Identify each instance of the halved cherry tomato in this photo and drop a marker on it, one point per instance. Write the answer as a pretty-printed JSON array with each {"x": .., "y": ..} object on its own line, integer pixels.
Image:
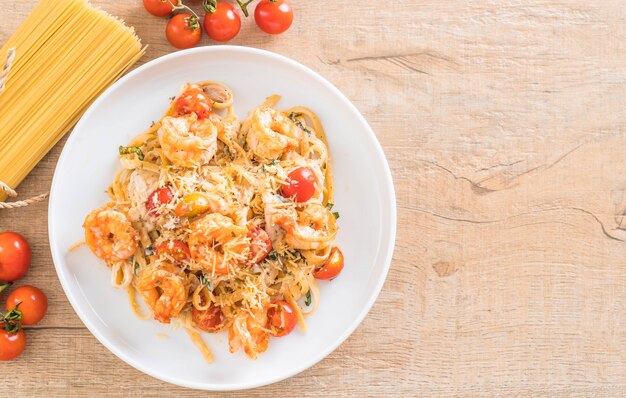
[
  {"x": 15, "y": 256},
  {"x": 32, "y": 302},
  {"x": 282, "y": 318},
  {"x": 159, "y": 8},
  {"x": 192, "y": 204},
  {"x": 209, "y": 320},
  {"x": 332, "y": 267},
  {"x": 301, "y": 185},
  {"x": 194, "y": 100},
  {"x": 223, "y": 24},
  {"x": 158, "y": 197},
  {"x": 177, "y": 249},
  {"x": 260, "y": 244},
  {"x": 11, "y": 344},
  {"x": 273, "y": 16},
  {"x": 183, "y": 31}
]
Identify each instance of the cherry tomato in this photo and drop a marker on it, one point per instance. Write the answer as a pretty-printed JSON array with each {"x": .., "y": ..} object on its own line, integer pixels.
[
  {"x": 282, "y": 318},
  {"x": 33, "y": 303},
  {"x": 158, "y": 197},
  {"x": 209, "y": 320},
  {"x": 194, "y": 100},
  {"x": 183, "y": 31},
  {"x": 159, "y": 8},
  {"x": 192, "y": 204},
  {"x": 223, "y": 24},
  {"x": 177, "y": 249},
  {"x": 332, "y": 267},
  {"x": 11, "y": 345},
  {"x": 273, "y": 17},
  {"x": 301, "y": 185},
  {"x": 260, "y": 244},
  {"x": 14, "y": 256}
]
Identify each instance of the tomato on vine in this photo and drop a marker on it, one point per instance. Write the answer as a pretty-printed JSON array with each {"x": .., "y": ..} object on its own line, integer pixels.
[
  {"x": 222, "y": 23},
  {"x": 273, "y": 16},
  {"x": 160, "y": 8},
  {"x": 183, "y": 31}
]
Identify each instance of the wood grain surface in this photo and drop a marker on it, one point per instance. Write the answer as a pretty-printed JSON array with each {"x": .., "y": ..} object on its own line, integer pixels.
[{"x": 504, "y": 126}]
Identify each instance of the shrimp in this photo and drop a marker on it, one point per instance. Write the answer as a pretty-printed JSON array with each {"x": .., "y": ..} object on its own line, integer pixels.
[
  {"x": 217, "y": 243},
  {"x": 110, "y": 234},
  {"x": 187, "y": 141},
  {"x": 271, "y": 133},
  {"x": 164, "y": 292},
  {"x": 310, "y": 228},
  {"x": 249, "y": 331}
]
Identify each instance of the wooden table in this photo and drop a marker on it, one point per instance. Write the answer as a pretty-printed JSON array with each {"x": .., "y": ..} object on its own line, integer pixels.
[{"x": 504, "y": 126}]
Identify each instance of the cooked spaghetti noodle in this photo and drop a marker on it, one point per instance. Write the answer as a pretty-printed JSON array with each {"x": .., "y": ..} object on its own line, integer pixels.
[{"x": 201, "y": 224}]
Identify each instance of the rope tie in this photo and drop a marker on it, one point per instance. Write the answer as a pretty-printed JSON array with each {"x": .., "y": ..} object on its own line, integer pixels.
[{"x": 4, "y": 76}]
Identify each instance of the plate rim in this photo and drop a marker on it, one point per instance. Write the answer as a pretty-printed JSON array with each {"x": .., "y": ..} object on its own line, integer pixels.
[{"x": 391, "y": 232}]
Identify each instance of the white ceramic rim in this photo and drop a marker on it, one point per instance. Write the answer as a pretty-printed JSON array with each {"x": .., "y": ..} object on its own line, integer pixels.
[{"x": 391, "y": 233}]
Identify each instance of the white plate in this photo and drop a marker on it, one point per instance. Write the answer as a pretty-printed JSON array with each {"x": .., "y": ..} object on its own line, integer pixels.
[{"x": 364, "y": 197}]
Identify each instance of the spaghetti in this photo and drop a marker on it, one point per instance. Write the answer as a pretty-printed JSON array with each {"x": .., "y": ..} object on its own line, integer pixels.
[
  {"x": 66, "y": 54},
  {"x": 200, "y": 223}
]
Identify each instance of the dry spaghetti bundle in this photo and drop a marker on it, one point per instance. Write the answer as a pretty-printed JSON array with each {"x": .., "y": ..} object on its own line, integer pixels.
[{"x": 66, "y": 54}]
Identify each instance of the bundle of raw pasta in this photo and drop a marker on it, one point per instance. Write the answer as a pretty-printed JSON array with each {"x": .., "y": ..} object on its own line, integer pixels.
[{"x": 66, "y": 54}]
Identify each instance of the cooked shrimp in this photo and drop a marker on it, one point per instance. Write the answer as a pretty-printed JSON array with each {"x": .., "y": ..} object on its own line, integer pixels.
[
  {"x": 271, "y": 133},
  {"x": 310, "y": 228},
  {"x": 164, "y": 292},
  {"x": 110, "y": 234},
  {"x": 249, "y": 331},
  {"x": 217, "y": 243},
  {"x": 187, "y": 141}
]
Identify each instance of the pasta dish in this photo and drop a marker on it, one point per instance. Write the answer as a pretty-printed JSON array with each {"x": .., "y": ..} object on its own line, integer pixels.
[{"x": 222, "y": 224}]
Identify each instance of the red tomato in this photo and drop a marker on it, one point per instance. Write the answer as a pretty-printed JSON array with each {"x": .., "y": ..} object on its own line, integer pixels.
[
  {"x": 194, "y": 100},
  {"x": 157, "y": 198},
  {"x": 177, "y": 249},
  {"x": 282, "y": 318},
  {"x": 11, "y": 344},
  {"x": 301, "y": 185},
  {"x": 209, "y": 320},
  {"x": 260, "y": 244},
  {"x": 183, "y": 31},
  {"x": 273, "y": 17},
  {"x": 14, "y": 256},
  {"x": 332, "y": 267},
  {"x": 223, "y": 24},
  {"x": 159, "y": 8},
  {"x": 33, "y": 303}
]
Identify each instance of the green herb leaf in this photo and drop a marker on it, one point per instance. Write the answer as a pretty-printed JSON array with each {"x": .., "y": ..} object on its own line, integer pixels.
[
  {"x": 136, "y": 268},
  {"x": 149, "y": 251},
  {"x": 336, "y": 214},
  {"x": 329, "y": 205},
  {"x": 308, "y": 298},
  {"x": 272, "y": 255},
  {"x": 127, "y": 150}
]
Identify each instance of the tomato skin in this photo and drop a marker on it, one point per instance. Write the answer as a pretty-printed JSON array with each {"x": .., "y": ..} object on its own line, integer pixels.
[
  {"x": 194, "y": 100},
  {"x": 332, "y": 267},
  {"x": 301, "y": 186},
  {"x": 282, "y": 318},
  {"x": 273, "y": 17},
  {"x": 192, "y": 205},
  {"x": 158, "y": 197},
  {"x": 15, "y": 255},
  {"x": 223, "y": 24},
  {"x": 210, "y": 320},
  {"x": 176, "y": 249},
  {"x": 159, "y": 8},
  {"x": 11, "y": 345},
  {"x": 33, "y": 303},
  {"x": 180, "y": 34},
  {"x": 260, "y": 244}
]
